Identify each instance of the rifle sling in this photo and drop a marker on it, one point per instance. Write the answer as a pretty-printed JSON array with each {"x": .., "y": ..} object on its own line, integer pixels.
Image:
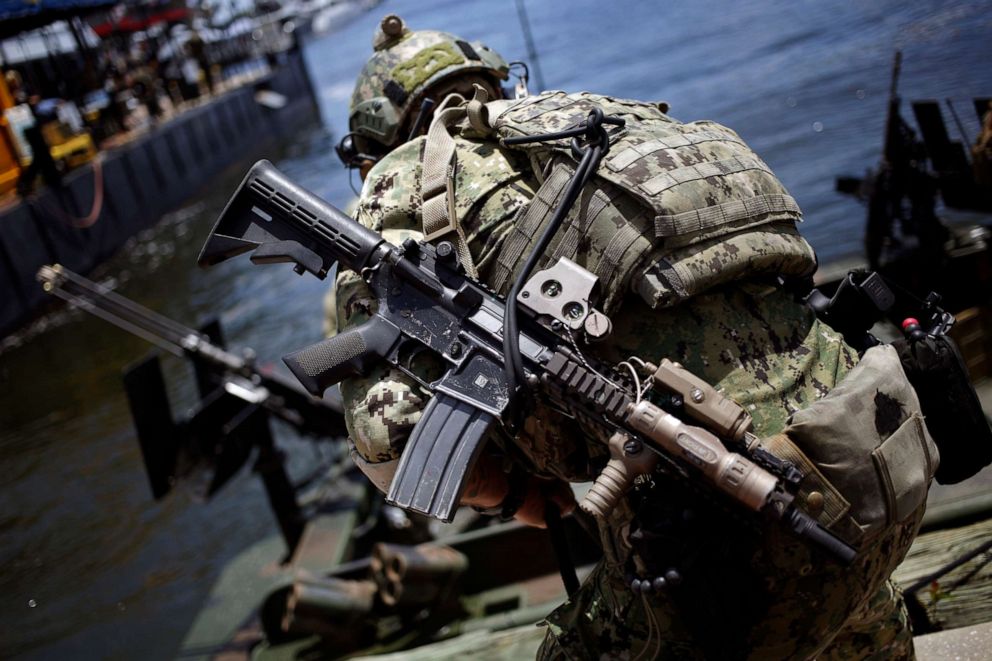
[{"x": 437, "y": 186}]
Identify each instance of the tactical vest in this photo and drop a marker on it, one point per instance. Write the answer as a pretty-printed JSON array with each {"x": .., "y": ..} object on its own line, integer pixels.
[{"x": 673, "y": 210}]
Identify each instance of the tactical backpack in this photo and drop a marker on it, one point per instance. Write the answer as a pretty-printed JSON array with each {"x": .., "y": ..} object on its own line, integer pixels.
[{"x": 673, "y": 210}]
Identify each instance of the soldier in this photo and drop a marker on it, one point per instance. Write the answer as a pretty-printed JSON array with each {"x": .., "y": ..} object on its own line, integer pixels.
[
  {"x": 691, "y": 236},
  {"x": 408, "y": 75}
]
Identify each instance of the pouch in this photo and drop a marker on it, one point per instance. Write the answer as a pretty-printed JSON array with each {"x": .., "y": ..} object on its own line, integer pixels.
[
  {"x": 868, "y": 456},
  {"x": 953, "y": 412}
]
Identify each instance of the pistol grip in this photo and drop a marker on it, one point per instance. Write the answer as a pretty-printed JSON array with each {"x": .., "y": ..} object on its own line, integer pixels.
[{"x": 349, "y": 353}]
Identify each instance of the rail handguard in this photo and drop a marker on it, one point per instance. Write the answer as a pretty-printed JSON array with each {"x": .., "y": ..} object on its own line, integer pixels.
[{"x": 425, "y": 301}]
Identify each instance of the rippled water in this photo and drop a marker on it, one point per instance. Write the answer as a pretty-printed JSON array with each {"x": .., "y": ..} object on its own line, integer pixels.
[{"x": 93, "y": 568}]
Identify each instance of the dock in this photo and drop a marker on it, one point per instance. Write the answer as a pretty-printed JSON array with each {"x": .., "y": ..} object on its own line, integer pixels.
[{"x": 142, "y": 180}]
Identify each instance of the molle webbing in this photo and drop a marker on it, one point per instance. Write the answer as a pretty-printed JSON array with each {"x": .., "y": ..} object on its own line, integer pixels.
[
  {"x": 630, "y": 155},
  {"x": 527, "y": 227},
  {"x": 595, "y": 206},
  {"x": 662, "y": 182},
  {"x": 670, "y": 200},
  {"x": 699, "y": 220},
  {"x": 592, "y": 203},
  {"x": 619, "y": 245}
]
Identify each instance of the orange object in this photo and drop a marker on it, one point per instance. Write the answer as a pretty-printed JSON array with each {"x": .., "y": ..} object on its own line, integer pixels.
[{"x": 10, "y": 168}]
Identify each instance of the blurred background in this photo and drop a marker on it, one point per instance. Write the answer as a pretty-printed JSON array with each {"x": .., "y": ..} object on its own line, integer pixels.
[{"x": 92, "y": 566}]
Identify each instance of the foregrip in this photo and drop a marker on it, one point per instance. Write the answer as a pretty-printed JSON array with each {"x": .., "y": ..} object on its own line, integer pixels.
[
  {"x": 628, "y": 459},
  {"x": 352, "y": 352}
]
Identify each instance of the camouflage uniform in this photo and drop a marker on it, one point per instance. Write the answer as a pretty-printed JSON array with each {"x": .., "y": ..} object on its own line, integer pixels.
[{"x": 749, "y": 590}]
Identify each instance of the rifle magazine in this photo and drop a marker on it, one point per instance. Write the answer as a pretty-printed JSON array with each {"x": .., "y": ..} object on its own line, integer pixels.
[{"x": 438, "y": 457}]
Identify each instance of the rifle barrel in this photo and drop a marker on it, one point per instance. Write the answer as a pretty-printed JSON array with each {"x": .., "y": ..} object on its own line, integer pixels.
[{"x": 101, "y": 301}]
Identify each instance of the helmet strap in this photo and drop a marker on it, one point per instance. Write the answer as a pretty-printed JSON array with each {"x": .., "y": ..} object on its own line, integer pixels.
[{"x": 425, "y": 109}]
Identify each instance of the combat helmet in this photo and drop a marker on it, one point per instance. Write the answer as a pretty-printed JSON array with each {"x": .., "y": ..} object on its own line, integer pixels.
[{"x": 390, "y": 90}]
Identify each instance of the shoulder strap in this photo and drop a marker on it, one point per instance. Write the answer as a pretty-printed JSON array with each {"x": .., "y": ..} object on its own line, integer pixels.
[
  {"x": 528, "y": 226},
  {"x": 437, "y": 185}
]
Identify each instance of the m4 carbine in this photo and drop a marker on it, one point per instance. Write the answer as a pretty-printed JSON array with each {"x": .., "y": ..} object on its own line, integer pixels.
[{"x": 425, "y": 300}]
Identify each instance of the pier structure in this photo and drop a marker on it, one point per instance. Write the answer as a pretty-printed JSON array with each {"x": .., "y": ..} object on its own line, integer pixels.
[{"x": 129, "y": 188}]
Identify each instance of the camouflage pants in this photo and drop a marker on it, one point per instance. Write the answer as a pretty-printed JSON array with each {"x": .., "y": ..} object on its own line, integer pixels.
[{"x": 781, "y": 602}]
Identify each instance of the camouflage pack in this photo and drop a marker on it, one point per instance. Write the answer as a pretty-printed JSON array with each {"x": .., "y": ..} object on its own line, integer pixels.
[
  {"x": 674, "y": 209},
  {"x": 866, "y": 453}
]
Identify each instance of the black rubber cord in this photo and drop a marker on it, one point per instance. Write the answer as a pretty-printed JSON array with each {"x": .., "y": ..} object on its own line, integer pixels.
[{"x": 589, "y": 156}]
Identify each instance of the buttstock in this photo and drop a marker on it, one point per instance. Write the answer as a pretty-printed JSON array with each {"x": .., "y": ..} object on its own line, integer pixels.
[{"x": 280, "y": 221}]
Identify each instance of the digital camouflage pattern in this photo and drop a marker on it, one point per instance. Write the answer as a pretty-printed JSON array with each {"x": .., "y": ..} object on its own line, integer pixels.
[
  {"x": 748, "y": 589},
  {"x": 675, "y": 209},
  {"x": 406, "y": 63},
  {"x": 385, "y": 405}
]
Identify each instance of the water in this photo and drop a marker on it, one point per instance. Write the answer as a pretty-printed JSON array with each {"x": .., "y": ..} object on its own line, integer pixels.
[{"x": 92, "y": 568}]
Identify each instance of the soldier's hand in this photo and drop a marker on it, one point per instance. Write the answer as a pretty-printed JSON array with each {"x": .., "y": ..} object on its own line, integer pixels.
[{"x": 539, "y": 492}]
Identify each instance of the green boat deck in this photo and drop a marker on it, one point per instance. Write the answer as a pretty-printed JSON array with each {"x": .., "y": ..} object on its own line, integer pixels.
[{"x": 504, "y": 625}]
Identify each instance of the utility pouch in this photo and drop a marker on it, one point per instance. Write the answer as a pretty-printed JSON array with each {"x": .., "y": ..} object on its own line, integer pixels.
[
  {"x": 867, "y": 455},
  {"x": 953, "y": 412}
]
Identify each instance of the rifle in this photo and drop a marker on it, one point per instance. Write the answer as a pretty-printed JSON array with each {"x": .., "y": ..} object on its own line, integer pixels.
[
  {"x": 425, "y": 301},
  {"x": 237, "y": 400}
]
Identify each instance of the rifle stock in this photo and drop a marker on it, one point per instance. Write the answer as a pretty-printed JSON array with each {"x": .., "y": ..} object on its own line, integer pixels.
[{"x": 310, "y": 233}]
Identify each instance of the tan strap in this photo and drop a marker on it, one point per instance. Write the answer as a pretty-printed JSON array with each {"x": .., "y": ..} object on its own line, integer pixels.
[
  {"x": 818, "y": 496},
  {"x": 478, "y": 112},
  {"x": 437, "y": 186}
]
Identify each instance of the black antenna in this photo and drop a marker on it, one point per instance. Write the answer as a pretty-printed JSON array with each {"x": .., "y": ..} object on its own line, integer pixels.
[
  {"x": 531, "y": 50},
  {"x": 425, "y": 108}
]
